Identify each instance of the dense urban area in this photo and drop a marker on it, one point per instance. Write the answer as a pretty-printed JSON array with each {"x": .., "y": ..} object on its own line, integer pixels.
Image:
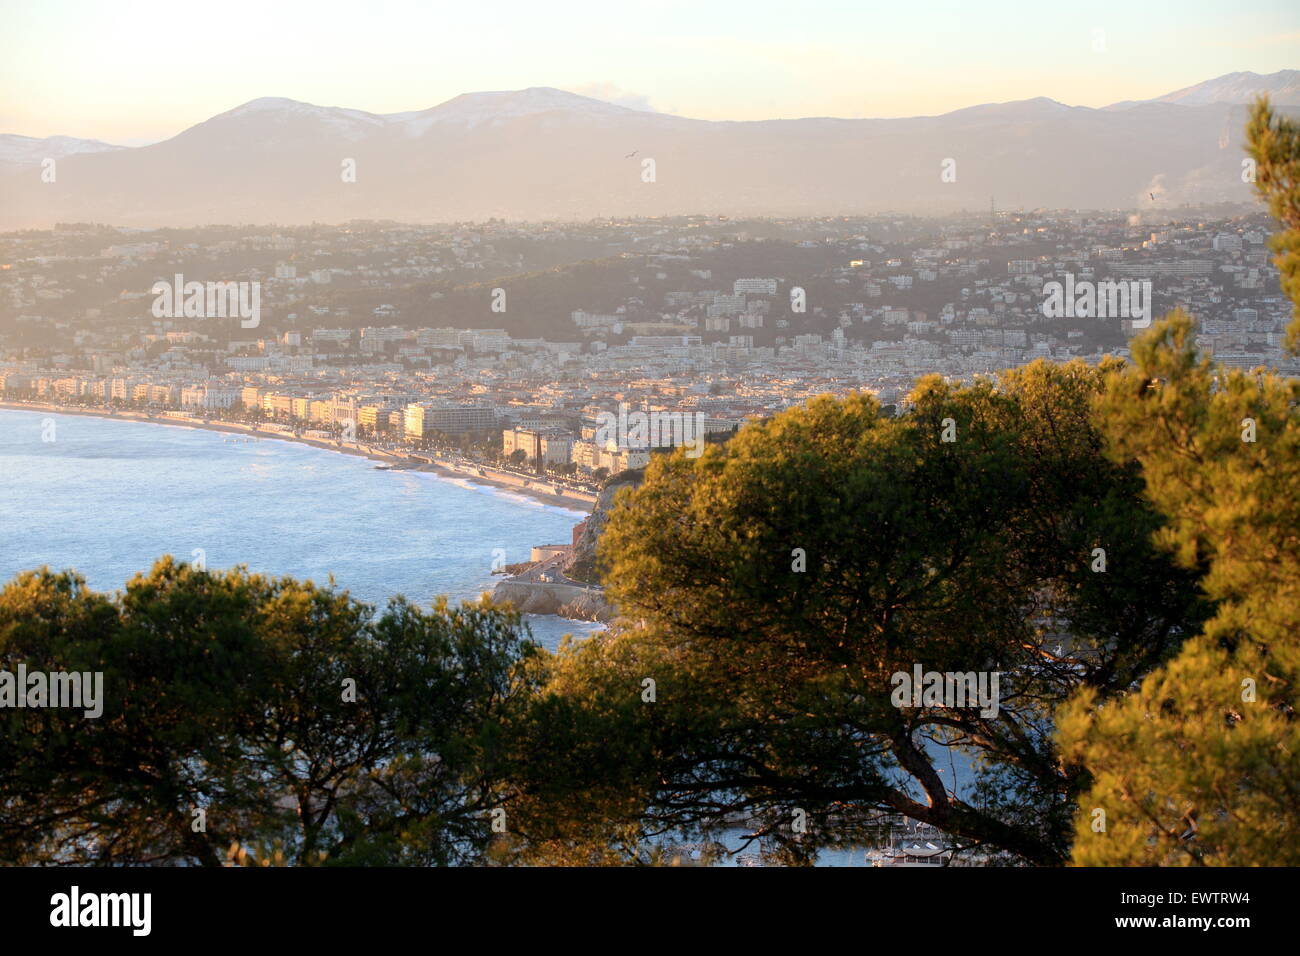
[{"x": 507, "y": 341}]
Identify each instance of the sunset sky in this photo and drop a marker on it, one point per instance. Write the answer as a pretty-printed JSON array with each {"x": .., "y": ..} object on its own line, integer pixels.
[{"x": 138, "y": 71}]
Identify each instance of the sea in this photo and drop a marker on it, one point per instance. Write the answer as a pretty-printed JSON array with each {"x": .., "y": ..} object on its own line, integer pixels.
[{"x": 108, "y": 497}]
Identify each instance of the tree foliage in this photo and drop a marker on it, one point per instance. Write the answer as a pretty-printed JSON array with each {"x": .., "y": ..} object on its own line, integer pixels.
[
  {"x": 771, "y": 587},
  {"x": 302, "y": 724},
  {"x": 1273, "y": 142},
  {"x": 1200, "y": 764}
]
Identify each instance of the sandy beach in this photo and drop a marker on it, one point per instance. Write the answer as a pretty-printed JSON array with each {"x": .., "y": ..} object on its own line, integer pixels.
[{"x": 405, "y": 461}]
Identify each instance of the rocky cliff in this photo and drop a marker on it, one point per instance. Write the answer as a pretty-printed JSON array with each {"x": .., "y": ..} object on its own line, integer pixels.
[
  {"x": 535, "y": 597},
  {"x": 582, "y": 564}
]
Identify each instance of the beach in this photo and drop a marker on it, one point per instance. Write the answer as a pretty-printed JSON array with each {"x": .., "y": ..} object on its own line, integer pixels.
[{"x": 537, "y": 489}]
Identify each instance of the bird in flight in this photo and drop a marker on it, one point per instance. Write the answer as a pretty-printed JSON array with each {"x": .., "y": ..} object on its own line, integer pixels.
[{"x": 631, "y": 154}]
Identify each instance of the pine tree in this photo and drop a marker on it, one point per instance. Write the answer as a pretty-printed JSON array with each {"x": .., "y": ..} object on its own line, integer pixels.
[
  {"x": 1200, "y": 764},
  {"x": 1274, "y": 146},
  {"x": 773, "y": 587}
]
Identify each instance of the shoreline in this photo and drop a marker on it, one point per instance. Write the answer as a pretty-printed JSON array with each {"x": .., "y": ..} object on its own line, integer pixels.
[{"x": 408, "y": 461}]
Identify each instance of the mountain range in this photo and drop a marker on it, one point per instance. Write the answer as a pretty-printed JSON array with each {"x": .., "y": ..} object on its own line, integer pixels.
[{"x": 543, "y": 153}]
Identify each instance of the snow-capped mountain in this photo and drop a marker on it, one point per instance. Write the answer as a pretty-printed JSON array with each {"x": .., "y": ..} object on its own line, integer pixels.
[
  {"x": 276, "y": 110},
  {"x": 29, "y": 151},
  {"x": 543, "y": 153},
  {"x": 1236, "y": 89},
  {"x": 1283, "y": 88},
  {"x": 470, "y": 110}
]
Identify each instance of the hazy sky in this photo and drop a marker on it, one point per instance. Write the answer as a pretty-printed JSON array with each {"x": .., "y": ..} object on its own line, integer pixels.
[{"x": 132, "y": 71}]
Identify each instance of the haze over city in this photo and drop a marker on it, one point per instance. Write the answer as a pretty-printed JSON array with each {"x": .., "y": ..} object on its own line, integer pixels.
[{"x": 538, "y": 438}]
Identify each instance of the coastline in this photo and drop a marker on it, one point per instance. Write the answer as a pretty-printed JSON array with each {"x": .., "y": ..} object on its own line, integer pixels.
[{"x": 408, "y": 462}]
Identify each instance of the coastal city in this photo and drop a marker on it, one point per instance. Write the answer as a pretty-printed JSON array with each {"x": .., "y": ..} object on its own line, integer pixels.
[
  {"x": 504, "y": 344},
  {"x": 538, "y": 439}
]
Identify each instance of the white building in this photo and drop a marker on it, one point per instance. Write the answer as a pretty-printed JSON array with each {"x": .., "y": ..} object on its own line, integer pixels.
[
  {"x": 754, "y": 287},
  {"x": 210, "y": 396}
]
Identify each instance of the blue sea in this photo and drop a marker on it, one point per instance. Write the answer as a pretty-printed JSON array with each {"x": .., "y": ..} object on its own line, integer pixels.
[{"x": 108, "y": 497}]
